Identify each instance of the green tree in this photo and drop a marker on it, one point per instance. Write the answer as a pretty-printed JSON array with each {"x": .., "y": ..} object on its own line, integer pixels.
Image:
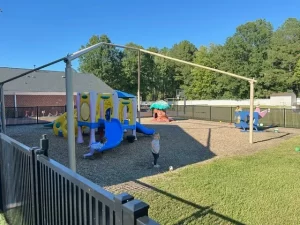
[
  {"x": 184, "y": 50},
  {"x": 130, "y": 69},
  {"x": 149, "y": 73},
  {"x": 254, "y": 51},
  {"x": 130, "y": 72},
  {"x": 204, "y": 82},
  {"x": 104, "y": 62},
  {"x": 166, "y": 84},
  {"x": 244, "y": 54},
  {"x": 283, "y": 56},
  {"x": 296, "y": 78}
]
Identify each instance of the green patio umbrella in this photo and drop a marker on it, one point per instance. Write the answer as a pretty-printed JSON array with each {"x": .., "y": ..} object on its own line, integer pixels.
[{"x": 162, "y": 105}]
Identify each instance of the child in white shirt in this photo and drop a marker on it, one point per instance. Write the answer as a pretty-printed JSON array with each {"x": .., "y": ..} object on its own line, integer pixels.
[
  {"x": 95, "y": 146},
  {"x": 155, "y": 147}
]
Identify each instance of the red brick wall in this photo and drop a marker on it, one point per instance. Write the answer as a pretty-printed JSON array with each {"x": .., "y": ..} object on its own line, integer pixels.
[{"x": 36, "y": 100}]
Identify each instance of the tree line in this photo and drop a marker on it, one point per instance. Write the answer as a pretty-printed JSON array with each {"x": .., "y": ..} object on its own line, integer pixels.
[{"x": 256, "y": 50}]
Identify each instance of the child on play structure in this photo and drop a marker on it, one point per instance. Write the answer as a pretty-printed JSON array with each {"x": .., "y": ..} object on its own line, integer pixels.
[
  {"x": 155, "y": 147},
  {"x": 237, "y": 118},
  {"x": 95, "y": 146}
]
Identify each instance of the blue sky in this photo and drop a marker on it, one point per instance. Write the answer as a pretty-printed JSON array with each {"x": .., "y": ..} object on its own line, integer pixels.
[{"x": 35, "y": 32}]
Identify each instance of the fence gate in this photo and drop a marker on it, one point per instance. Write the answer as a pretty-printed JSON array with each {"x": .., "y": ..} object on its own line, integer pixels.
[{"x": 17, "y": 187}]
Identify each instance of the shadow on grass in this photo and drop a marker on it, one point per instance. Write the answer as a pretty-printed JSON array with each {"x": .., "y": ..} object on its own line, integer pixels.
[{"x": 202, "y": 210}]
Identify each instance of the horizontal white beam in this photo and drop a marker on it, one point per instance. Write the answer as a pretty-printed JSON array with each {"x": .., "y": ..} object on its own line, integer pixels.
[
  {"x": 198, "y": 65},
  {"x": 86, "y": 50},
  {"x": 83, "y": 51}
]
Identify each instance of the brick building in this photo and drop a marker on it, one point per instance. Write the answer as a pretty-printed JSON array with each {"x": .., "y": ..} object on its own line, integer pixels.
[{"x": 45, "y": 88}]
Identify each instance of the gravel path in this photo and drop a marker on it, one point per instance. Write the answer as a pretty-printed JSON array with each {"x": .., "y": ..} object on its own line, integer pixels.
[{"x": 182, "y": 142}]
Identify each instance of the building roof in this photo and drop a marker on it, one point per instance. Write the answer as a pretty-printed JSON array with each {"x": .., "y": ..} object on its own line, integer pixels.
[
  {"x": 49, "y": 81},
  {"x": 283, "y": 94}
]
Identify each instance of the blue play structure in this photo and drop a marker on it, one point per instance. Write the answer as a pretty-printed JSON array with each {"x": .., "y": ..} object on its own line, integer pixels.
[
  {"x": 113, "y": 133},
  {"x": 144, "y": 130},
  {"x": 112, "y": 114},
  {"x": 243, "y": 120}
]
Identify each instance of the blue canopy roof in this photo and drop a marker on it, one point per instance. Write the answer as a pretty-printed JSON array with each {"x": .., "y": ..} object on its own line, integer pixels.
[
  {"x": 122, "y": 94},
  {"x": 163, "y": 105}
]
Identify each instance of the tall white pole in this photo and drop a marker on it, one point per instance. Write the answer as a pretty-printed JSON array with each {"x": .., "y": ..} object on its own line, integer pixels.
[
  {"x": 70, "y": 115},
  {"x": 3, "y": 119},
  {"x": 139, "y": 87},
  {"x": 251, "y": 112},
  {"x": 15, "y": 101},
  {"x": 15, "y": 104}
]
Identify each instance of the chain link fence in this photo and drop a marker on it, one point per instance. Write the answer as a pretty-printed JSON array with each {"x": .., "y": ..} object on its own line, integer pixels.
[{"x": 281, "y": 117}]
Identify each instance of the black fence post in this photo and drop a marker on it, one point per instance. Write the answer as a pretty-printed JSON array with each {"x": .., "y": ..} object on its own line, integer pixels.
[
  {"x": 146, "y": 221},
  {"x": 44, "y": 144},
  {"x": 193, "y": 113},
  {"x": 184, "y": 105},
  {"x": 35, "y": 186},
  {"x": 133, "y": 210},
  {"x": 37, "y": 191},
  {"x": 231, "y": 114},
  {"x": 119, "y": 201},
  {"x": 15, "y": 112},
  {"x": 37, "y": 114},
  {"x": 284, "y": 117},
  {"x": 210, "y": 113}
]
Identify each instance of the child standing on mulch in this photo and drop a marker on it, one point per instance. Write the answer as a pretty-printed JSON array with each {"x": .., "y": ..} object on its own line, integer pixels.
[
  {"x": 155, "y": 147},
  {"x": 95, "y": 146}
]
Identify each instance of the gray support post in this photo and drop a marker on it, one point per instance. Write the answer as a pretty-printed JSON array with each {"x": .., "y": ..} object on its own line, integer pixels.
[
  {"x": 139, "y": 87},
  {"x": 3, "y": 119},
  {"x": 70, "y": 115}
]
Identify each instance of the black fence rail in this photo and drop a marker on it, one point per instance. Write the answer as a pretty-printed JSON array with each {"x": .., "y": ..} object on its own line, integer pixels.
[
  {"x": 32, "y": 115},
  {"x": 36, "y": 190},
  {"x": 281, "y": 117}
]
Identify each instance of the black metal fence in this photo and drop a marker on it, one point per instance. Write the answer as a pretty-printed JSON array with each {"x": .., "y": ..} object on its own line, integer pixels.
[
  {"x": 36, "y": 190},
  {"x": 281, "y": 117},
  {"x": 32, "y": 115}
]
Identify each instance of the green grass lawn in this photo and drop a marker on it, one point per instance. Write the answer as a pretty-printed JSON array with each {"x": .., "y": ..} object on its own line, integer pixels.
[
  {"x": 2, "y": 219},
  {"x": 263, "y": 188}
]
